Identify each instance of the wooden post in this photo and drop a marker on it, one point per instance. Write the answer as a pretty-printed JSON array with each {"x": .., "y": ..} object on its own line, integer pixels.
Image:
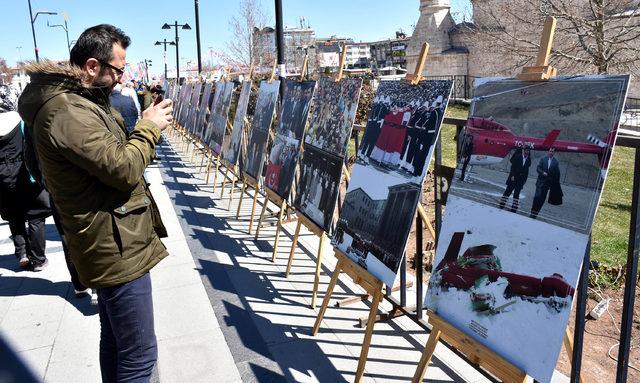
[
  {"x": 264, "y": 208},
  {"x": 305, "y": 65},
  {"x": 327, "y": 297},
  {"x": 233, "y": 186},
  {"x": 316, "y": 281},
  {"x": 244, "y": 187},
  {"x": 542, "y": 71},
  {"x": 273, "y": 72},
  {"x": 364, "y": 352},
  {"x": 343, "y": 59},
  {"x": 422, "y": 59},
  {"x": 283, "y": 208},
  {"x": 215, "y": 174},
  {"x": 209, "y": 158},
  {"x": 253, "y": 208},
  {"x": 293, "y": 248},
  {"x": 224, "y": 182}
]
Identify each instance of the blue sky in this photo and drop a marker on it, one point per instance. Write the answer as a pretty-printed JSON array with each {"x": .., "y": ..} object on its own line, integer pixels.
[{"x": 362, "y": 20}]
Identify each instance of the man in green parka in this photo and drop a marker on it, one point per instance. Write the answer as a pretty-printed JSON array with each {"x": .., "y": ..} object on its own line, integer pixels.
[{"x": 94, "y": 172}]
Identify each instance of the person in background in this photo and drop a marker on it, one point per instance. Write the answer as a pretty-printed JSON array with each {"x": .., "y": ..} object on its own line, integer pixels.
[
  {"x": 94, "y": 172},
  {"x": 125, "y": 106},
  {"x": 157, "y": 94},
  {"x": 22, "y": 201},
  {"x": 145, "y": 98},
  {"x": 129, "y": 90}
]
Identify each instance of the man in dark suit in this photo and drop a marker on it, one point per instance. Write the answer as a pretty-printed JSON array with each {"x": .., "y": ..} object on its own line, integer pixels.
[
  {"x": 374, "y": 126},
  {"x": 520, "y": 163},
  {"x": 548, "y": 177},
  {"x": 467, "y": 151}
]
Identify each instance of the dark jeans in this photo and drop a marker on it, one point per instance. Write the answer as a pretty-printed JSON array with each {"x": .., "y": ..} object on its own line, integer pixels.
[
  {"x": 28, "y": 238},
  {"x": 128, "y": 349}
]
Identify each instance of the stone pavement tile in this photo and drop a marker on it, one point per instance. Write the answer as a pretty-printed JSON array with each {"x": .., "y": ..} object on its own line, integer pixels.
[
  {"x": 178, "y": 275},
  {"x": 312, "y": 361},
  {"x": 254, "y": 371},
  {"x": 37, "y": 360},
  {"x": 32, "y": 326},
  {"x": 193, "y": 359},
  {"x": 182, "y": 311}
]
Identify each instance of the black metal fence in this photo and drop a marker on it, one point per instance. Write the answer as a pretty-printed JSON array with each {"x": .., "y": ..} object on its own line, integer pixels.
[
  {"x": 462, "y": 85},
  {"x": 631, "y": 117}
]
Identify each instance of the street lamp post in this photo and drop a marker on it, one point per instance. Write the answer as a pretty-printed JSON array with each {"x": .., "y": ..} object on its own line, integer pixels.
[
  {"x": 147, "y": 64},
  {"x": 165, "y": 42},
  {"x": 66, "y": 30},
  {"x": 33, "y": 30},
  {"x": 198, "y": 37},
  {"x": 177, "y": 40}
]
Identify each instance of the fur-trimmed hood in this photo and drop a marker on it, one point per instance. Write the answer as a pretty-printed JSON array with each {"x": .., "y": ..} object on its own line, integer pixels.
[
  {"x": 52, "y": 68},
  {"x": 50, "y": 79}
]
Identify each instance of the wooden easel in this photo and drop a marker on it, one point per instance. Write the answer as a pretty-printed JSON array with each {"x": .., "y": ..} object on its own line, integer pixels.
[
  {"x": 360, "y": 276},
  {"x": 474, "y": 351},
  {"x": 309, "y": 224},
  {"x": 273, "y": 196},
  {"x": 249, "y": 180},
  {"x": 371, "y": 285}
]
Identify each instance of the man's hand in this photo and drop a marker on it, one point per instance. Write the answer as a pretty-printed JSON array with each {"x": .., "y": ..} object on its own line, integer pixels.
[{"x": 160, "y": 114}]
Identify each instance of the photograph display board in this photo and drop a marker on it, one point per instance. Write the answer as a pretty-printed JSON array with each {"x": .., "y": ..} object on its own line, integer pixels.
[
  {"x": 262, "y": 119},
  {"x": 232, "y": 152},
  {"x": 193, "y": 110},
  {"x": 534, "y": 157},
  {"x": 386, "y": 180},
  {"x": 185, "y": 98},
  {"x": 219, "y": 112},
  {"x": 326, "y": 143},
  {"x": 201, "y": 118},
  {"x": 283, "y": 157}
]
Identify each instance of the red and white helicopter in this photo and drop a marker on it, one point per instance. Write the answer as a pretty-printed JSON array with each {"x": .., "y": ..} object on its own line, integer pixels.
[{"x": 493, "y": 141}]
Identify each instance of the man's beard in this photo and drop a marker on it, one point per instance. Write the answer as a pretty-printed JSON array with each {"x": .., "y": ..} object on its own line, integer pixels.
[{"x": 104, "y": 80}]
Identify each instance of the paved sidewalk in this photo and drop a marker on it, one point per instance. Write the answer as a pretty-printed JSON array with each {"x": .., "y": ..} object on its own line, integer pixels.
[{"x": 57, "y": 334}]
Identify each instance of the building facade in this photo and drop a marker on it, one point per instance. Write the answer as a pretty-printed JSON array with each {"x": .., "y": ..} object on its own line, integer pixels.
[
  {"x": 456, "y": 49},
  {"x": 389, "y": 53}
]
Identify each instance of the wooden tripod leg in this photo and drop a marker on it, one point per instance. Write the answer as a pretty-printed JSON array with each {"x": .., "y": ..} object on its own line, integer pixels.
[
  {"x": 264, "y": 208},
  {"x": 244, "y": 187},
  {"x": 427, "y": 353},
  {"x": 327, "y": 297},
  {"x": 364, "y": 352},
  {"x": 233, "y": 187},
  {"x": 202, "y": 161},
  {"x": 568, "y": 347},
  {"x": 283, "y": 208},
  {"x": 206, "y": 181},
  {"x": 215, "y": 174},
  {"x": 316, "y": 281},
  {"x": 253, "y": 208},
  {"x": 293, "y": 248},
  {"x": 224, "y": 182}
]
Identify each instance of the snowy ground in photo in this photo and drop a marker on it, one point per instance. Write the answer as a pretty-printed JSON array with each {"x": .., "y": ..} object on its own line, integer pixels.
[
  {"x": 528, "y": 334},
  {"x": 374, "y": 265}
]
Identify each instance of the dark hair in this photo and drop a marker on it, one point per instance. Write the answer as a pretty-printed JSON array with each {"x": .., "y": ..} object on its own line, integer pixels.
[{"x": 97, "y": 42}]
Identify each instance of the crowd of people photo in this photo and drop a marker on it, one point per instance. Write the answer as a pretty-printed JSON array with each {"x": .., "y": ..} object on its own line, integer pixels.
[
  {"x": 400, "y": 129},
  {"x": 335, "y": 110}
]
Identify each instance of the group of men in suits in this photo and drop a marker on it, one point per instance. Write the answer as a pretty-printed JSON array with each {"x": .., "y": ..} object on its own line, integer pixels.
[
  {"x": 419, "y": 137},
  {"x": 547, "y": 183}
]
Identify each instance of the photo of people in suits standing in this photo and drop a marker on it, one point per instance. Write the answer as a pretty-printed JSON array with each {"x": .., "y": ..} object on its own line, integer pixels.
[
  {"x": 232, "y": 152},
  {"x": 283, "y": 158},
  {"x": 326, "y": 143},
  {"x": 260, "y": 126},
  {"x": 219, "y": 114},
  {"x": 543, "y": 157}
]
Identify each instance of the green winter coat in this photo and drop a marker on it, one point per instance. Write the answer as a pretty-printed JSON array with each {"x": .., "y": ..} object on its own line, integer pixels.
[{"x": 94, "y": 173}]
